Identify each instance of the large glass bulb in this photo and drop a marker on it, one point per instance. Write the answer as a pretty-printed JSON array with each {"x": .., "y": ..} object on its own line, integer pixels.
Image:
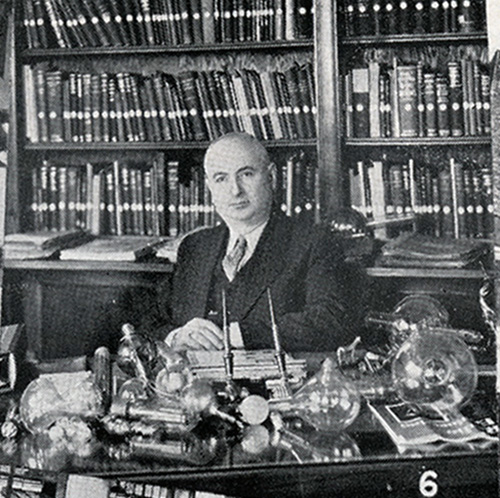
[
  {"x": 328, "y": 400},
  {"x": 434, "y": 369}
]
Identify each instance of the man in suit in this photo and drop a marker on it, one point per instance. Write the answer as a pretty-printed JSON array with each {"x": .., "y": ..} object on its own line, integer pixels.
[{"x": 257, "y": 248}]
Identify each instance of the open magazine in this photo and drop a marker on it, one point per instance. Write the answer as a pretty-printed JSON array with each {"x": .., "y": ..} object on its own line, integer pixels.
[{"x": 409, "y": 428}]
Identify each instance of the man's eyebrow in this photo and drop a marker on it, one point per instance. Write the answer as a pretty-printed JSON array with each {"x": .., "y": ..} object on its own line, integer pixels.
[{"x": 243, "y": 168}]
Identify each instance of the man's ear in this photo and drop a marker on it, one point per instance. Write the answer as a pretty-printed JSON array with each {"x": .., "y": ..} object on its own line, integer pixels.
[{"x": 274, "y": 176}]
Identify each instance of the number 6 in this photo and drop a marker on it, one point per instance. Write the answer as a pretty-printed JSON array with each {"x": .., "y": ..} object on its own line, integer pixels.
[{"x": 427, "y": 484}]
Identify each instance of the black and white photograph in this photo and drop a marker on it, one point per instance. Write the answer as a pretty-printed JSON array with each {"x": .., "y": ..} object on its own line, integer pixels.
[{"x": 249, "y": 248}]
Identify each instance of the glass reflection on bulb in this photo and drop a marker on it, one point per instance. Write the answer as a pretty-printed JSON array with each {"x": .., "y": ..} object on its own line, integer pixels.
[
  {"x": 328, "y": 401},
  {"x": 434, "y": 369}
]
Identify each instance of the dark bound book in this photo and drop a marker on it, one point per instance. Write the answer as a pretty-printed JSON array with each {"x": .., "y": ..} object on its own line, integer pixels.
[
  {"x": 405, "y": 13},
  {"x": 187, "y": 81},
  {"x": 455, "y": 99},
  {"x": 419, "y": 17},
  {"x": 41, "y": 105},
  {"x": 407, "y": 95},
  {"x": 430, "y": 104},
  {"x": 53, "y": 81},
  {"x": 465, "y": 16},
  {"x": 363, "y": 18},
  {"x": 435, "y": 16},
  {"x": 389, "y": 20},
  {"x": 443, "y": 104}
]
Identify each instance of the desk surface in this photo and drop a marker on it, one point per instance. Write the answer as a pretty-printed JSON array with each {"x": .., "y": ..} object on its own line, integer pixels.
[{"x": 360, "y": 462}]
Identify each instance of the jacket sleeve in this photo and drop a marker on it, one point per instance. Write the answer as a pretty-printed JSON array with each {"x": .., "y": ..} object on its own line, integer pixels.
[{"x": 327, "y": 312}]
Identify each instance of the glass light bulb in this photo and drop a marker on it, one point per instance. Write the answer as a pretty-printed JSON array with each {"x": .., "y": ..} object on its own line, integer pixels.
[
  {"x": 434, "y": 369},
  {"x": 328, "y": 401}
]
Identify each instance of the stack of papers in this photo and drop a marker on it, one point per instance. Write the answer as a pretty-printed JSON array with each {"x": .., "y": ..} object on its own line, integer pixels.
[
  {"x": 42, "y": 245},
  {"x": 252, "y": 365},
  {"x": 123, "y": 248},
  {"x": 423, "y": 251}
]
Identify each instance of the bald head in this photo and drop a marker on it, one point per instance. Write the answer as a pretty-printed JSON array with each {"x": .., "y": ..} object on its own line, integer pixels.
[
  {"x": 230, "y": 146},
  {"x": 240, "y": 177}
]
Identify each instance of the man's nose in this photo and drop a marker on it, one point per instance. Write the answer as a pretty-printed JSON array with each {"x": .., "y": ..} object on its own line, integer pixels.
[{"x": 236, "y": 188}]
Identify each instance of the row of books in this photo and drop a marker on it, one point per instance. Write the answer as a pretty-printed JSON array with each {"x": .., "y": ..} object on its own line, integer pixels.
[
  {"x": 455, "y": 200},
  {"x": 128, "y": 107},
  {"x": 414, "y": 100},
  {"x": 101, "y": 23},
  {"x": 147, "y": 198},
  {"x": 387, "y": 17},
  {"x": 118, "y": 198}
]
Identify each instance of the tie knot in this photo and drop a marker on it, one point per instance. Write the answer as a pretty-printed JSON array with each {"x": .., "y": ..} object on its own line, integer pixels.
[{"x": 232, "y": 261}]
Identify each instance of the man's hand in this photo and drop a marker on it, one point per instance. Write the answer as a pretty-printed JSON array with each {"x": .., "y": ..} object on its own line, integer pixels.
[{"x": 198, "y": 333}]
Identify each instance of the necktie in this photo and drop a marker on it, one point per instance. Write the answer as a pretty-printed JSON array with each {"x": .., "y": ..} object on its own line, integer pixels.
[{"x": 233, "y": 258}]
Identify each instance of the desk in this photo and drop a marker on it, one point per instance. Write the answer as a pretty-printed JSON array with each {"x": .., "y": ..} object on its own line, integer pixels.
[{"x": 378, "y": 471}]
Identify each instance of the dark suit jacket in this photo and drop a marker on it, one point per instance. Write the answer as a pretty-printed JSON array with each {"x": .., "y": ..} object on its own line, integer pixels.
[{"x": 312, "y": 289}]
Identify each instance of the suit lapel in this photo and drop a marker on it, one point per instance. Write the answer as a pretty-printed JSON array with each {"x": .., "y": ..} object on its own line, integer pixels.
[
  {"x": 203, "y": 269},
  {"x": 264, "y": 266}
]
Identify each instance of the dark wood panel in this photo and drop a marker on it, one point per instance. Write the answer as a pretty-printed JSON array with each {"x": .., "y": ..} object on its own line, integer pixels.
[{"x": 69, "y": 313}]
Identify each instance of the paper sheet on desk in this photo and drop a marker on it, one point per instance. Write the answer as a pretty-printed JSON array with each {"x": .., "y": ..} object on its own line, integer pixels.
[{"x": 258, "y": 364}]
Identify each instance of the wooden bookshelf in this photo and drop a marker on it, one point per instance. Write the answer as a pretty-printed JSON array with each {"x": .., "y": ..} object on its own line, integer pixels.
[
  {"x": 163, "y": 145},
  {"x": 30, "y": 55},
  {"x": 416, "y": 39}
]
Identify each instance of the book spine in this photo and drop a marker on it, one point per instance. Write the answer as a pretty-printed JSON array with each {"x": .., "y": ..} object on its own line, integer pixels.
[
  {"x": 408, "y": 103},
  {"x": 430, "y": 104},
  {"x": 442, "y": 103},
  {"x": 159, "y": 169},
  {"x": 389, "y": 24},
  {"x": 456, "y": 99},
  {"x": 173, "y": 197},
  {"x": 419, "y": 17},
  {"x": 29, "y": 22},
  {"x": 62, "y": 180},
  {"x": 87, "y": 107},
  {"x": 435, "y": 17},
  {"x": 41, "y": 105},
  {"x": 104, "y": 107},
  {"x": 95, "y": 108},
  {"x": 486, "y": 107},
  {"x": 360, "y": 101},
  {"x": 374, "y": 99},
  {"x": 404, "y": 17},
  {"x": 53, "y": 80},
  {"x": 489, "y": 208},
  {"x": 187, "y": 83},
  {"x": 478, "y": 201},
  {"x": 363, "y": 17},
  {"x": 41, "y": 23},
  {"x": 477, "y": 97},
  {"x": 137, "y": 106},
  {"x": 80, "y": 133},
  {"x": 465, "y": 16}
]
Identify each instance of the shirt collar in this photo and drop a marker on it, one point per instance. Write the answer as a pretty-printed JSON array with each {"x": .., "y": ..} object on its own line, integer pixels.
[{"x": 252, "y": 237}]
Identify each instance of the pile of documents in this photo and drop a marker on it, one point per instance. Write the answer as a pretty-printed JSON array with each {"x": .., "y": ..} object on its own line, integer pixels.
[
  {"x": 42, "y": 245},
  {"x": 416, "y": 250}
]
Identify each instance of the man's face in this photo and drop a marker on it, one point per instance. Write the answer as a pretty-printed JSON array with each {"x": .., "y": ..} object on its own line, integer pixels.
[{"x": 240, "y": 182}]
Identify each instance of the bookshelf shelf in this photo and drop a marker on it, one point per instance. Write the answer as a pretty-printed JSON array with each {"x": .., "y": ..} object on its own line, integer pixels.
[
  {"x": 98, "y": 266},
  {"x": 383, "y": 272},
  {"x": 155, "y": 50},
  {"x": 421, "y": 141},
  {"x": 128, "y": 146},
  {"x": 413, "y": 39}
]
